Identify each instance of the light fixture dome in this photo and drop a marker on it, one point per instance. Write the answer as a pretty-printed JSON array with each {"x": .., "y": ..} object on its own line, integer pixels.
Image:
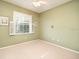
[{"x": 38, "y": 3}]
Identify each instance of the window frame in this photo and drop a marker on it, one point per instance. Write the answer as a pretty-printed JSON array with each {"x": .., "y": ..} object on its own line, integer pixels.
[{"x": 13, "y": 24}]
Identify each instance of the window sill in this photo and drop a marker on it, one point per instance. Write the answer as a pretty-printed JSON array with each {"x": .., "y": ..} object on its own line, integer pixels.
[{"x": 20, "y": 33}]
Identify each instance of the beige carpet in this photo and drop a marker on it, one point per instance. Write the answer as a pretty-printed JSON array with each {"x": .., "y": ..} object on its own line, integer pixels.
[{"x": 36, "y": 49}]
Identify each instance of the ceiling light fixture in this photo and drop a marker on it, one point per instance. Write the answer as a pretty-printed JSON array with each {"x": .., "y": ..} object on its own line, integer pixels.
[{"x": 38, "y": 3}]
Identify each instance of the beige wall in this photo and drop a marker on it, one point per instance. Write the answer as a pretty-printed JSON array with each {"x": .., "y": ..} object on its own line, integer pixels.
[
  {"x": 65, "y": 21},
  {"x": 7, "y": 9}
]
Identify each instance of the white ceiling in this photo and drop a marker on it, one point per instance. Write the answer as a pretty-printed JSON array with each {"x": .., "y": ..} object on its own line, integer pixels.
[{"x": 28, "y": 4}]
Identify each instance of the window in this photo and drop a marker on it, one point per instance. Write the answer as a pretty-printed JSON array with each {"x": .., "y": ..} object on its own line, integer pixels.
[{"x": 21, "y": 24}]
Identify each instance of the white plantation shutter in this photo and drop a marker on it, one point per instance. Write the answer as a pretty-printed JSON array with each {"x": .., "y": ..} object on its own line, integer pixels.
[{"x": 22, "y": 23}]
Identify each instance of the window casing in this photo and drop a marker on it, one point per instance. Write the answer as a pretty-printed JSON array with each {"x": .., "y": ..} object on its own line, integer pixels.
[{"x": 21, "y": 24}]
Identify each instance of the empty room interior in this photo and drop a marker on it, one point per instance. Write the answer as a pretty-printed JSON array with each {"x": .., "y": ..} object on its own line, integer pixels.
[{"x": 39, "y": 29}]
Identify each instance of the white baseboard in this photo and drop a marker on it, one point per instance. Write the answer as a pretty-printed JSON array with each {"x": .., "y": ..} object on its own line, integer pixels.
[
  {"x": 45, "y": 42},
  {"x": 29, "y": 41},
  {"x": 71, "y": 50}
]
